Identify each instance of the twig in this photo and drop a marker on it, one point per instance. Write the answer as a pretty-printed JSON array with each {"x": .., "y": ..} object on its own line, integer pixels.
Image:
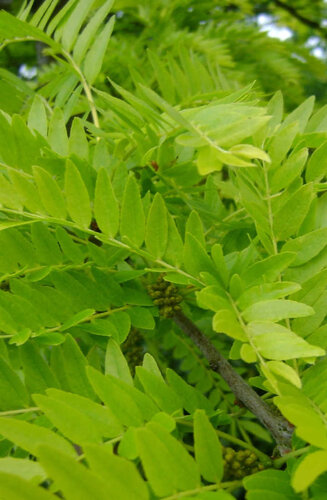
[
  {"x": 304, "y": 20},
  {"x": 278, "y": 426}
]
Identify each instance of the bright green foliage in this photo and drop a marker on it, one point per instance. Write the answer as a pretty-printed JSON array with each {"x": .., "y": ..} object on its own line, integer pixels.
[
  {"x": 207, "y": 448},
  {"x": 173, "y": 187}
]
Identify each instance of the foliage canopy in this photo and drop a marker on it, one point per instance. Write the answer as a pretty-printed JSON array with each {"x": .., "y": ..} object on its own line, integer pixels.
[{"x": 148, "y": 187}]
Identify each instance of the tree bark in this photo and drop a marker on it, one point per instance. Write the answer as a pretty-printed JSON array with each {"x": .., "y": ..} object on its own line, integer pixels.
[{"x": 278, "y": 426}]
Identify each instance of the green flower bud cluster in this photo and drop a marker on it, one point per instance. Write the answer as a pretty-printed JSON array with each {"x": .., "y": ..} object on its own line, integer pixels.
[
  {"x": 133, "y": 349},
  {"x": 165, "y": 295},
  {"x": 238, "y": 464}
]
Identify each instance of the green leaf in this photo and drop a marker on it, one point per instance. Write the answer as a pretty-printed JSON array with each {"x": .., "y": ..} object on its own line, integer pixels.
[
  {"x": 309, "y": 469},
  {"x": 71, "y": 422},
  {"x": 307, "y": 246},
  {"x": 12, "y": 390},
  {"x": 37, "y": 374},
  {"x": 77, "y": 197},
  {"x": 225, "y": 321},
  {"x": 213, "y": 298},
  {"x": 250, "y": 152},
  {"x": 191, "y": 398},
  {"x": 11, "y": 27},
  {"x": 21, "y": 337},
  {"x": 270, "y": 268},
  {"x": 156, "y": 461},
  {"x": 285, "y": 371},
  {"x": 276, "y": 310},
  {"x": 266, "y": 291},
  {"x": 116, "y": 364},
  {"x": 94, "y": 58},
  {"x": 159, "y": 391},
  {"x": 194, "y": 226},
  {"x": 257, "y": 430},
  {"x": 317, "y": 164},
  {"x": 308, "y": 420},
  {"x": 79, "y": 317},
  {"x": 291, "y": 214},
  {"x": 150, "y": 364},
  {"x": 248, "y": 354},
  {"x": 276, "y": 342},
  {"x": 30, "y": 437},
  {"x": 37, "y": 117},
  {"x": 174, "y": 248},
  {"x": 104, "y": 420},
  {"x": 219, "y": 261},
  {"x": 23, "y": 468},
  {"x": 78, "y": 143},
  {"x": 141, "y": 318},
  {"x": 207, "y": 447},
  {"x": 87, "y": 36},
  {"x": 74, "y": 23},
  {"x": 47, "y": 248},
  {"x": 290, "y": 170},
  {"x": 116, "y": 397},
  {"x": 50, "y": 193},
  {"x": 8, "y": 196},
  {"x": 167, "y": 464},
  {"x": 120, "y": 475},
  {"x": 300, "y": 115},
  {"x": 282, "y": 142},
  {"x": 132, "y": 224},
  {"x": 208, "y": 161},
  {"x": 70, "y": 249},
  {"x": 196, "y": 259},
  {"x": 74, "y": 366},
  {"x": 27, "y": 192},
  {"x": 269, "y": 484},
  {"x": 73, "y": 479},
  {"x": 106, "y": 209},
  {"x": 13, "y": 487},
  {"x": 57, "y": 133},
  {"x": 156, "y": 232}
]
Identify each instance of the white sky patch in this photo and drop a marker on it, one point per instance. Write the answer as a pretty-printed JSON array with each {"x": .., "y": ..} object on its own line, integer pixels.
[
  {"x": 312, "y": 41},
  {"x": 27, "y": 72},
  {"x": 266, "y": 23},
  {"x": 319, "y": 53}
]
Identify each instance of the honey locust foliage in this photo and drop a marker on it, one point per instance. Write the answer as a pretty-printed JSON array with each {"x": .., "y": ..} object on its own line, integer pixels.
[{"x": 123, "y": 206}]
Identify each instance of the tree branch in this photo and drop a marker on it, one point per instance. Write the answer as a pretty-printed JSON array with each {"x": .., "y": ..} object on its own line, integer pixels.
[
  {"x": 278, "y": 426},
  {"x": 304, "y": 20}
]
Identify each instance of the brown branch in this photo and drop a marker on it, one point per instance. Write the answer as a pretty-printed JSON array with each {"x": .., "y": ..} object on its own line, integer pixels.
[
  {"x": 304, "y": 20},
  {"x": 278, "y": 426}
]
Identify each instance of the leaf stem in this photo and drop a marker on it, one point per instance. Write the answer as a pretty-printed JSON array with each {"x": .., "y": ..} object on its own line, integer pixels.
[
  {"x": 16, "y": 412},
  {"x": 292, "y": 454},
  {"x": 86, "y": 88}
]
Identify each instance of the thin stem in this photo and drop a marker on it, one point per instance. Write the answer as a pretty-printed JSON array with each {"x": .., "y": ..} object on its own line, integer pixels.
[
  {"x": 24, "y": 270},
  {"x": 101, "y": 237},
  {"x": 16, "y": 412},
  {"x": 86, "y": 88},
  {"x": 89, "y": 318},
  {"x": 292, "y": 454}
]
